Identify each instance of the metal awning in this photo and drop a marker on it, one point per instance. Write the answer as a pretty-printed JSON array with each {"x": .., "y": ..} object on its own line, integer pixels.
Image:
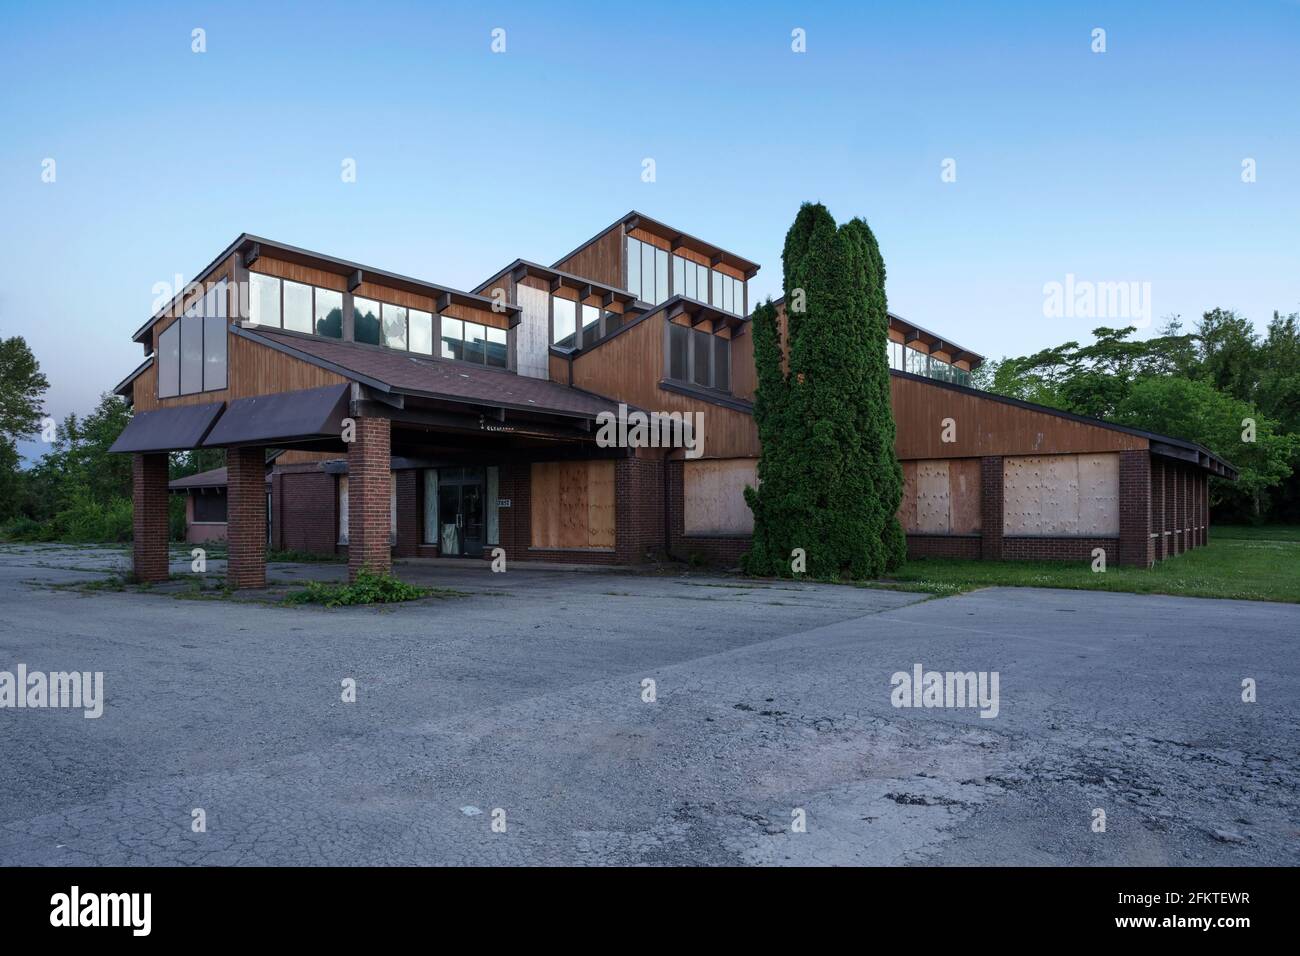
[
  {"x": 167, "y": 429},
  {"x": 282, "y": 417}
]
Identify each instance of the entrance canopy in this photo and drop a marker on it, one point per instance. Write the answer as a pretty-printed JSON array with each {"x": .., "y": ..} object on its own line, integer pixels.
[
  {"x": 282, "y": 416},
  {"x": 167, "y": 429}
]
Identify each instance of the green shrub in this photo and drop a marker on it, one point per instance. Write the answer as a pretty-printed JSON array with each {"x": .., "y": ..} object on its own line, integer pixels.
[
  {"x": 176, "y": 517},
  {"x": 93, "y": 521},
  {"x": 23, "y": 528},
  {"x": 368, "y": 588}
]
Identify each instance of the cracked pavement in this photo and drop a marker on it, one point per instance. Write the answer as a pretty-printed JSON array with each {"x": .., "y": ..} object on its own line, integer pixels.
[{"x": 526, "y": 695}]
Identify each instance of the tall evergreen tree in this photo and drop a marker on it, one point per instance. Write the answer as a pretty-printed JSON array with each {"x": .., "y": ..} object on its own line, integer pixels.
[{"x": 829, "y": 482}]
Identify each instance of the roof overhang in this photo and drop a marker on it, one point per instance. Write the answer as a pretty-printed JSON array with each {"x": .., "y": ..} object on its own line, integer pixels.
[
  {"x": 287, "y": 417},
  {"x": 376, "y": 391},
  {"x": 557, "y": 279},
  {"x": 250, "y": 248},
  {"x": 681, "y": 240},
  {"x": 178, "y": 428},
  {"x": 695, "y": 312},
  {"x": 125, "y": 387},
  {"x": 676, "y": 239},
  {"x": 934, "y": 342}
]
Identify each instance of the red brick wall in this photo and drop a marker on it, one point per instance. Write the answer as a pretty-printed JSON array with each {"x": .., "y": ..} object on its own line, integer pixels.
[
  {"x": 945, "y": 546},
  {"x": 991, "y": 503},
  {"x": 370, "y": 519},
  {"x": 149, "y": 520},
  {"x": 639, "y": 507},
  {"x": 306, "y": 509},
  {"x": 246, "y": 517},
  {"x": 408, "y": 514},
  {"x": 1059, "y": 549},
  {"x": 1135, "y": 548},
  {"x": 713, "y": 549},
  {"x": 1157, "y": 508}
]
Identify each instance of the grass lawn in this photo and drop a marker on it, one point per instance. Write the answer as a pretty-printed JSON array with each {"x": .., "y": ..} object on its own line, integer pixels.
[{"x": 1249, "y": 564}]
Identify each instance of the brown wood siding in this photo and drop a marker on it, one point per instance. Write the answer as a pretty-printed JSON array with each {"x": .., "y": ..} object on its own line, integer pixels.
[
  {"x": 744, "y": 376},
  {"x": 601, "y": 260},
  {"x": 223, "y": 271},
  {"x": 300, "y": 273},
  {"x": 660, "y": 242},
  {"x": 572, "y": 504},
  {"x": 558, "y": 368},
  {"x": 985, "y": 426},
  {"x": 629, "y": 367},
  {"x": 650, "y": 238},
  {"x": 251, "y": 369}
]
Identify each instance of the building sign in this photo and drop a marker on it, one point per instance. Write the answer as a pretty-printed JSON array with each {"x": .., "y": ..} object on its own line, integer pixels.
[{"x": 503, "y": 502}]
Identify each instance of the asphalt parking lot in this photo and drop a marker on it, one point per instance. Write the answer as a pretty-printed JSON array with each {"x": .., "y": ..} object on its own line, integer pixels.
[{"x": 524, "y": 701}]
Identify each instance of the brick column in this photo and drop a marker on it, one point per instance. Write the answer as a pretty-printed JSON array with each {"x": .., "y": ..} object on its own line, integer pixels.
[
  {"x": 1201, "y": 521},
  {"x": 1180, "y": 509},
  {"x": 369, "y": 507},
  {"x": 991, "y": 508},
  {"x": 1135, "y": 509},
  {"x": 639, "y": 508},
  {"x": 1166, "y": 511},
  {"x": 1205, "y": 509},
  {"x": 246, "y": 517},
  {"x": 149, "y": 517},
  {"x": 1157, "y": 508}
]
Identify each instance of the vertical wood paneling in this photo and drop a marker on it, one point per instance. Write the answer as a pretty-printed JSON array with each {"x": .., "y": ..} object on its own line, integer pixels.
[
  {"x": 629, "y": 367},
  {"x": 964, "y": 494},
  {"x": 572, "y": 504},
  {"x": 932, "y": 497},
  {"x": 1061, "y": 495},
  {"x": 713, "y": 494},
  {"x": 600, "y": 504},
  {"x": 600, "y": 260},
  {"x": 986, "y": 426}
]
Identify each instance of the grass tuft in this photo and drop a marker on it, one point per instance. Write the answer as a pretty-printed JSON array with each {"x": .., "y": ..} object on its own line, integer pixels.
[
  {"x": 368, "y": 588},
  {"x": 1239, "y": 563}
]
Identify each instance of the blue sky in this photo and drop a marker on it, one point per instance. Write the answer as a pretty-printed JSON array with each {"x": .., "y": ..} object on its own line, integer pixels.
[{"x": 1119, "y": 166}]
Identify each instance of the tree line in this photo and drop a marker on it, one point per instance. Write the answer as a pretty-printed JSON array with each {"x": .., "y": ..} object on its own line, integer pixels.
[
  {"x": 75, "y": 491},
  {"x": 1221, "y": 384}
]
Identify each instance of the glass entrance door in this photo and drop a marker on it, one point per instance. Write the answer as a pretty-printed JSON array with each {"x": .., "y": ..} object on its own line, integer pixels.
[
  {"x": 460, "y": 512},
  {"x": 471, "y": 513}
]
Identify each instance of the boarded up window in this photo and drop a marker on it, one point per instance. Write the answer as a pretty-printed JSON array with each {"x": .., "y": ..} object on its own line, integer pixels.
[
  {"x": 714, "y": 493},
  {"x": 941, "y": 496},
  {"x": 1061, "y": 495},
  {"x": 572, "y": 504}
]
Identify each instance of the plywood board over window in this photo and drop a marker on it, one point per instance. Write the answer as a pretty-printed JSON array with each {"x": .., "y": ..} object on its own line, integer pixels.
[
  {"x": 572, "y": 505},
  {"x": 714, "y": 495},
  {"x": 941, "y": 496},
  {"x": 1061, "y": 495}
]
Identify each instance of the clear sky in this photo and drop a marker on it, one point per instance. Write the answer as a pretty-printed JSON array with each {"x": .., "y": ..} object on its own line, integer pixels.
[{"x": 1117, "y": 166}]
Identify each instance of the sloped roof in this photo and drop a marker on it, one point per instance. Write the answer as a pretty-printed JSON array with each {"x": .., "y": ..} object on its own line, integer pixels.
[{"x": 403, "y": 373}]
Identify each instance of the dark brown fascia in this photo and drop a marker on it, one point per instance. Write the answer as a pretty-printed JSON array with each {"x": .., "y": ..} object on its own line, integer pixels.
[
  {"x": 698, "y": 312},
  {"x": 523, "y": 268},
  {"x": 257, "y": 246},
  {"x": 675, "y": 236},
  {"x": 913, "y": 332},
  {"x": 123, "y": 388},
  {"x": 678, "y": 239}
]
